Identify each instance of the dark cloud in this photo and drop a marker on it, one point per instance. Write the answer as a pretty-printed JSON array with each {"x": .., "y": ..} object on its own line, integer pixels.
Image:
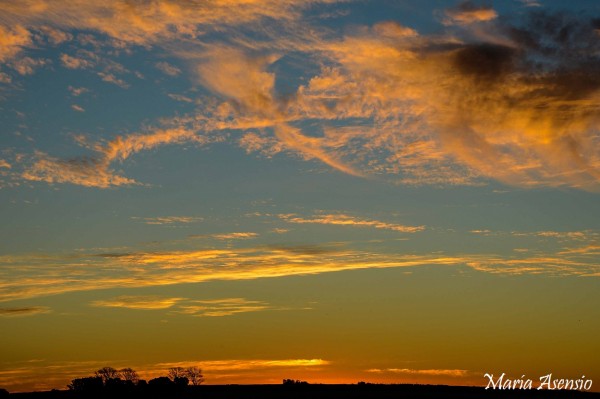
[
  {"x": 305, "y": 249},
  {"x": 23, "y": 311},
  {"x": 485, "y": 61}
]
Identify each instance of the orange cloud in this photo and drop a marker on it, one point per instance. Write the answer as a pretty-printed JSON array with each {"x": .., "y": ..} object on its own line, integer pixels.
[
  {"x": 346, "y": 220},
  {"x": 170, "y": 220},
  {"x": 95, "y": 171},
  {"x": 432, "y": 110},
  {"x": 148, "y": 302},
  {"x": 468, "y": 13},
  {"x": 235, "y": 236},
  {"x": 44, "y": 274},
  {"x": 222, "y": 307},
  {"x": 29, "y": 276},
  {"x": 431, "y": 372},
  {"x": 12, "y": 41},
  {"x": 250, "y": 364},
  {"x": 149, "y": 22}
]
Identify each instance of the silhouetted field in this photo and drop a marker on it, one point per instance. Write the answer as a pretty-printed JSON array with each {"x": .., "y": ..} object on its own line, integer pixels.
[{"x": 365, "y": 391}]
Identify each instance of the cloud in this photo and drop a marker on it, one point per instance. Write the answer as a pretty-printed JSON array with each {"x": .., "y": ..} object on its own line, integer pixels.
[
  {"x": 235, "y": 236},
  {"x": 169, "y": 220},
  {"x": 56, "y": 36},
  {"x": 111, "y": 78},
  {"x": 514, "y": 102},
  {"x": 5, "y": 164},
  {"x": 72, "y": 62},
  {"x": 27, "y": 65},
  {"x": 468, "y": 12},
  {"x": 179, "y": 97},
  {"x": 96, "y": 171},
  {"x": 148, "y": 302},
  {"x": 197, "y": 308},
  {"x": 12, "y": 41},
  {"x": 31, "y": 276},
  {"x": 222, "y": 307},
  {"x": 441, "y": 109},
  {"x": 227, "y": 236},
  {"x": 24, "y": 311},
  {"x": 248, "y": 364},
  {"x": 77, "y": 91},
  {"x": 167, "y": 68},
  {"x": 146, "y": 24},
  {"x": 77, "y": 108},
  {"x": 347, "y": 220},
  {"x": 426, "y": 372}
]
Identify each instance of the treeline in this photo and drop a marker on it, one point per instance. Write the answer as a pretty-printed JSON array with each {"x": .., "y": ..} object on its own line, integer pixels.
[{"x": 111, "y": 380}]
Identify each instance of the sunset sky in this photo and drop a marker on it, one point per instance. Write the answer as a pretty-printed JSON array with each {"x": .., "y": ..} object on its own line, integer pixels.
[{"x": 331, "y": 191}]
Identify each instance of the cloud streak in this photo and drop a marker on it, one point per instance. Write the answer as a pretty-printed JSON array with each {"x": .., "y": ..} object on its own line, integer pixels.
[
  {"x": 347, "y": 220},
  {"x": 96, "y": 170},
  {"x": 222, "y": 307},
  {"x": 424, "y": 372},
  {"x": 148, "y": 302},
  {"x": 23, "y": 311},
  {"x": 31, "y": 276}
]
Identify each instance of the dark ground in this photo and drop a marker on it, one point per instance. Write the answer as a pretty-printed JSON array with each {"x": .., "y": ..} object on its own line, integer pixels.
[{"x": 378, "y": 391}]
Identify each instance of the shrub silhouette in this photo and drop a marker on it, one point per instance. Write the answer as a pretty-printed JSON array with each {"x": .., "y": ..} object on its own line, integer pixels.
[
  {"x": 86, "y": 385},
  {"x": 161, "y": 382},
  {"x": 289, "y": 382}
]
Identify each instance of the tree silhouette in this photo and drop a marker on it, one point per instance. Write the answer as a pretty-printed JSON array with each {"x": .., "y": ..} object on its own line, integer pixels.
[
  {"x": 107, "y": 373},
  {"x": 86, "y": 384},
  {"x": 128, "y": 374},
  {"x": 161, "y": 382},
  {"x": 194, "y": 374},
  {"x": 176, "y": 372}
]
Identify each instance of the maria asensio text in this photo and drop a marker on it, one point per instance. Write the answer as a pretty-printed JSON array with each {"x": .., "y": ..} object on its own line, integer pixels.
[{"x": 546, "y": 382}]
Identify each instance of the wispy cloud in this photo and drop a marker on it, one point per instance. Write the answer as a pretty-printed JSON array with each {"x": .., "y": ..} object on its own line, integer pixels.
[
  {"x": 185, "y": 306},
  {"x": 23, "y": 311},
  {"x": 77, "y": 91},
  {"x": 147, "y": 302},
  {"x": 249, "y": 364},
  {"x": 169, "y": 220},
  {"x": 467, "y": 12},
  {"x": 235, "y": 236},
  {"x": 426, "y": 372},
  {"x": 30, "y": 276},
  {"x": 95, "y": 170},
  {"x": 227, "y": 236},
  {"x": 222, "y": 307},
  {"x": 341, "y": 219},
  {"x": 167, "y": 68}
]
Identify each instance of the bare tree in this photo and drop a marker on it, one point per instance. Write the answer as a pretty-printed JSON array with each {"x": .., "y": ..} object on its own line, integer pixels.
[
  {"x": 107, "y": 373},
  {"x": 129, "y": 374},
  {"x": 176, "y": 372},
  {"x": 195, "y": 375}
]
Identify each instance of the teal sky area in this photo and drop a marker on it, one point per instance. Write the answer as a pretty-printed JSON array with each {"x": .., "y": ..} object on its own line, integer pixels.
[{"x": 331, "y": 191}]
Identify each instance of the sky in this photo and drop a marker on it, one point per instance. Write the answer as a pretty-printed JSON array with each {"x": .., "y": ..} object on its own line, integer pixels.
[{"x": 326, "y": 190}]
